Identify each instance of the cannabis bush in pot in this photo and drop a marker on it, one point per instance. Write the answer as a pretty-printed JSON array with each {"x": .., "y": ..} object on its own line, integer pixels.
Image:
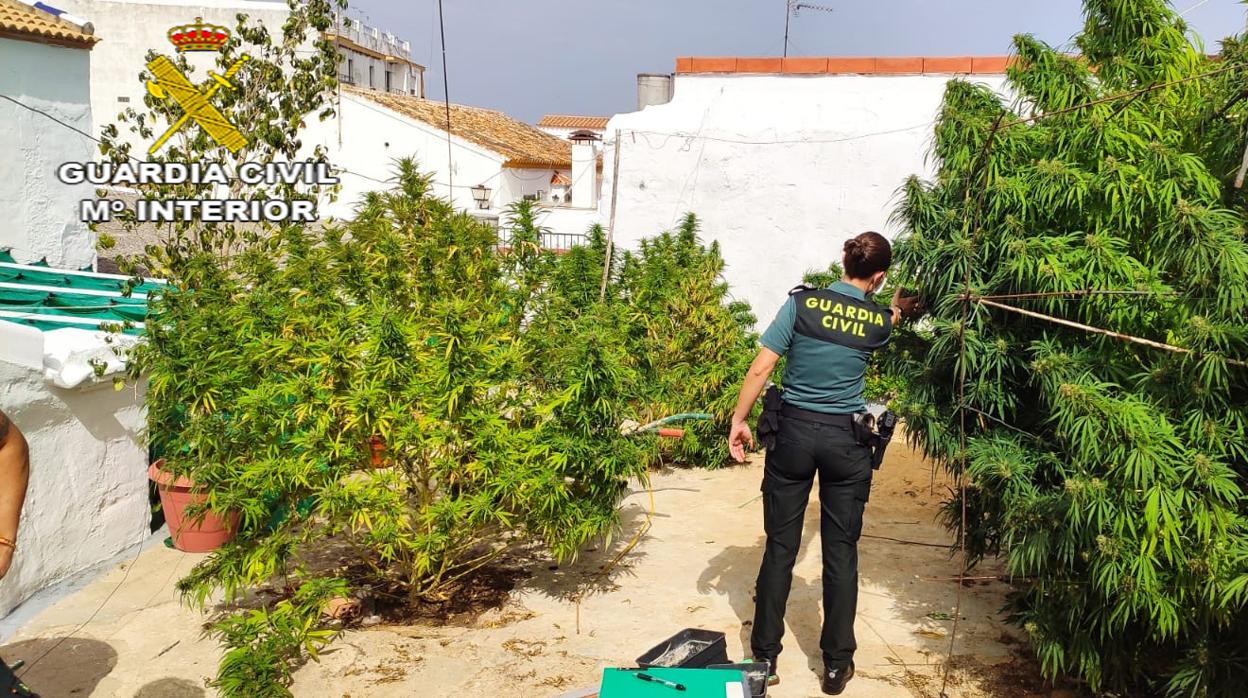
[{"x": 400, "y": 325}]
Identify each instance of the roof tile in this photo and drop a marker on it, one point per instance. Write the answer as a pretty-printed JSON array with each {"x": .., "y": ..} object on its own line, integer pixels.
[
  {"x": 948, "y": 64},
  {"x": 851, "y": 65},
  {"x": 759, "y": 65},
  {"x": 898, "y": 66},
  {"x": 519, "y": 143},
  {"x": 593, "y": 123},
  {"x": 805, "y": 65},
  {"x": 861, "y": 65},
  {"x": 19, "y": 20}
]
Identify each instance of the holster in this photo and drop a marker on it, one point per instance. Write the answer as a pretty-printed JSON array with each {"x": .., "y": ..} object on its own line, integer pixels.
[
  {"x": 875, "y": 434},
  {"x": 864, "y": 429},
  {"x": 769, "y": 419},
  {"x": 10, "y": 685}
]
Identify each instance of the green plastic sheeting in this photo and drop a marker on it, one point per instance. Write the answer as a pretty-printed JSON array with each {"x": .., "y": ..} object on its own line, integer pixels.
[{"x": 70, "y": 302}]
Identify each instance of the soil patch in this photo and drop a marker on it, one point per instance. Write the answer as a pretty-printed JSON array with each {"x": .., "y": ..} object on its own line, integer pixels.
[{"x": 485, "y": 590}]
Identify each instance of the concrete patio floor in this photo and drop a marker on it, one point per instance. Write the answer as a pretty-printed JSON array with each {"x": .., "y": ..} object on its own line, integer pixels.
[{"x": 694, "y": 568}]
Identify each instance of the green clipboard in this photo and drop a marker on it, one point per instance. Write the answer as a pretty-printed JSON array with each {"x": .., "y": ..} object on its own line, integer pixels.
[{"x": 698, "y": 683}]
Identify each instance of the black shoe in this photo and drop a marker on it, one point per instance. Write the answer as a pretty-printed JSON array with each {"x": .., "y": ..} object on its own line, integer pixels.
[
  {"x": 772, "y": 677},
  {"x": 834, "y": 680}
]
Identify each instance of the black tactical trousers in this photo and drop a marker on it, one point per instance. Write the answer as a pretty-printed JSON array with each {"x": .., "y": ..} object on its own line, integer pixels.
[{"x": 844, "y": 468}]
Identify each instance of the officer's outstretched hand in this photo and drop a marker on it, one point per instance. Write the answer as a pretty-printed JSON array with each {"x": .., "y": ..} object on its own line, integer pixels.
[{"x": 737, "y": 440}]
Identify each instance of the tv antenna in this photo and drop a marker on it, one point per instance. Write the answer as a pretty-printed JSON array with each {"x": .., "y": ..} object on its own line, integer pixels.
[{"x": 792, "y": 7}]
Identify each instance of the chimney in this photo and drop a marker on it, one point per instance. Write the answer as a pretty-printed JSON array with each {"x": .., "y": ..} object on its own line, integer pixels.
[
  {"x": 584, "y": 168},
  {"x": 653, "y": 88}
]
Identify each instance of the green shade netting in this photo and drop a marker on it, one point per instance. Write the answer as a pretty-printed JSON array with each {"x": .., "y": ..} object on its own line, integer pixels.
[
  {"x": 48, "y": 326},
  {"x": 67, "y": 303},
  {"x": 33, "y": 277}
]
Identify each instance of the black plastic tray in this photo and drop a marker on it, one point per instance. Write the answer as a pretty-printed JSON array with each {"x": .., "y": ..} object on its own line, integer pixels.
[
  {"x": 756, "y": 674},
  {"x": 708, "y": 647}
]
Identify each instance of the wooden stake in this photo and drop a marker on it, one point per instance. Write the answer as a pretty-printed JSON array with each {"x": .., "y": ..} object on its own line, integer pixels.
[
  {"x": 1097, "y": 330},
  {"x": 615, "y": 190}
]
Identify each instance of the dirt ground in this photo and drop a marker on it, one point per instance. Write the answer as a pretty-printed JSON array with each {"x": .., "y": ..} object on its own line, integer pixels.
[{"x": 695, "y": 567}]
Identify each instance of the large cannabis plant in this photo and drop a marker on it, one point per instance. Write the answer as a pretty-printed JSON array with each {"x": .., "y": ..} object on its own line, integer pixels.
[
  {"x": 395, "y": 333},
  {"x": 1109, "y": 474}
]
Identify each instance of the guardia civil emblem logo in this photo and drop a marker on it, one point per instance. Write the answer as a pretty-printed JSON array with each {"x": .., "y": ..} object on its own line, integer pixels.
[{"x": 195, "y": 101}]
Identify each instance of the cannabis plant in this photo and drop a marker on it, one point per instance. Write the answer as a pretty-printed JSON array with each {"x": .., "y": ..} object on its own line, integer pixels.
[
  {"x": 687, "y": 341},
  {"x": 1109, "y": 474},
  {"x": 397, "y": 331}
]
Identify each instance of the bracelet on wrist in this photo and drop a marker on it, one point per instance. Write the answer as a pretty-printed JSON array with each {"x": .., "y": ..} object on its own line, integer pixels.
[{"x": 8, "y": 543}]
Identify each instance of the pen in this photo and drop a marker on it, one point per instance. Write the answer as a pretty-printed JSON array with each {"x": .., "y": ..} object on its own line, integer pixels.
[{"x": 665, "y": 682}]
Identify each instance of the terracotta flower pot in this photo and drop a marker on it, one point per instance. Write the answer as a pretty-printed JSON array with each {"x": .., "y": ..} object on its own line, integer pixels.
[
  {"x": 175, "y": 498},
  {"x": 377, "y": 451}
]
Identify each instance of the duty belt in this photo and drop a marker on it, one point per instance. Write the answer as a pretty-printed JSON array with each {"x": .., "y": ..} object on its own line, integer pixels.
[{"x": 790, "y": 411}]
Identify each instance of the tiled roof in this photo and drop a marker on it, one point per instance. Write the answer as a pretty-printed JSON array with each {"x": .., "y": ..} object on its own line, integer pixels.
[
  {"x": 50, "y": 299},
  {"x": 593, "y": 123},
  {"x": 520, "y": 144},
  {"x": 25, "y": 22},
  {"x": 866, "y": 65}
]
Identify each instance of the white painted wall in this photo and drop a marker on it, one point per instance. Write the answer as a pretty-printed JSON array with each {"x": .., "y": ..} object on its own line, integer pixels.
[
  {"x": 366, "y": 138},
  {"x": 837, "y": 149},
  {"x": 568, "y": 225},
  {"x": 129, "y": 29},
  {"x": 39, "y": 214},
  {"x": 88, "y": 493},
  {"x": 518, "y": 183},
  {"x": 354, "y": 69},
  {"x": 584, "y": 175},
  {"x": 406, "y": 79}
]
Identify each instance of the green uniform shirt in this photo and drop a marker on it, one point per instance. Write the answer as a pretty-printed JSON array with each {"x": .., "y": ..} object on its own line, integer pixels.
[{"x": 828, "y": 336}]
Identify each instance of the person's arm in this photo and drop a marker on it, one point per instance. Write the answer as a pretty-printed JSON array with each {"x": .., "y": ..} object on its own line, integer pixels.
[
  {"x": 14, "y": 475},
  {"x": 905, "y": 307},
  {"x": 755, "y": 380},
  {"x": 775, "y": 341}
]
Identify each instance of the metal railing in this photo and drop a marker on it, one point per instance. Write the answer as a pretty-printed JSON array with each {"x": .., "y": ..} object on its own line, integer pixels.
[
  {"x": 372, "y": 37},
  {"x": 559, "y": 242}
]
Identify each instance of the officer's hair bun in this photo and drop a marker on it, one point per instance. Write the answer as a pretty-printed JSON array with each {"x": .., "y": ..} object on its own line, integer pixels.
[{"x": 867, "y": 254}]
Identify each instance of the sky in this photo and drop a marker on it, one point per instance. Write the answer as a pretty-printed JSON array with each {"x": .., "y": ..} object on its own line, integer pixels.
[{"x": 535, "y": 57}]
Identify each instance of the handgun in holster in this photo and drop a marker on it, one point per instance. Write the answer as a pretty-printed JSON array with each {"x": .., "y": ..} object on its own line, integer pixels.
[
  {"x": 10, "y": 685},
  {"x": 769, "y": 419},
  {"x": 875, "y": 433}
]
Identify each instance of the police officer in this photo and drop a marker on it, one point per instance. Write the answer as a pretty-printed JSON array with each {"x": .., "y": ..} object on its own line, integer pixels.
[{"x": 827, "y": 335}]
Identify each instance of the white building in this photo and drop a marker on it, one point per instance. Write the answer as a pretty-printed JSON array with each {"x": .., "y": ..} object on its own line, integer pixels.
[
  {"x": 781, "y": 159},
  {"x": 371, "y": 58},
  {"x": 563, "y": 125},
  {"x": 503, "y": 159},
  {"x": 513, "y": 160},
  {"x": 88, "y": 494},
  {"x": 45, "y": 64},
  {"x": 375, "y": 59}
]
